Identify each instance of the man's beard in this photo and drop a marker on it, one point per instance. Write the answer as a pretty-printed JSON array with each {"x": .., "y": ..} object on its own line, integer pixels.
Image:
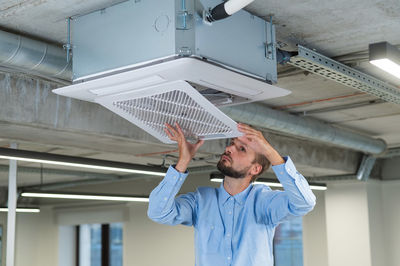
[{"x": 229, "y": 171}]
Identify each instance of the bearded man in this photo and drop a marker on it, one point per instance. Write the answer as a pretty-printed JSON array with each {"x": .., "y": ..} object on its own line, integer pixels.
[{"x": 235, "y": 223}]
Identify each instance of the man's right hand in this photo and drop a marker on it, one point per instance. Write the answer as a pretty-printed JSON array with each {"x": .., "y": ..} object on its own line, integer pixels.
[{"x": 187, "y": 150}]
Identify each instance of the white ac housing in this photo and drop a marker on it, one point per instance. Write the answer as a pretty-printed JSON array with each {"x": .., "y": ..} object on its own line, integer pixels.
[{"x": 155, "y": 62}]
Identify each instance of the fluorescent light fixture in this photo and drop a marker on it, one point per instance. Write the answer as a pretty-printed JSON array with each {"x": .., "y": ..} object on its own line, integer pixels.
[
  {"x": 56, "y": 159},
  {"x": 26, "y": 210},
  {"x": 274, "y": 184},
  {"x": 83, "y": 196},
  {"x": 386, "y": 57}
]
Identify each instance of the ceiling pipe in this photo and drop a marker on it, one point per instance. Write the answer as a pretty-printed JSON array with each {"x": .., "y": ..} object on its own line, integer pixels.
[
  {"x": 49, "y": 60},
  {"x": 259, "y": 115},
  {"x": 35, "y": 57}
]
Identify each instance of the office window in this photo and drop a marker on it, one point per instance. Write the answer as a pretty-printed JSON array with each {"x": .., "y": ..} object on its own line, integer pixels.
[
  {"x": 288, "y": 243},
  {"x": 99, "y": 245},
  {"x": 116, "y": 244}
]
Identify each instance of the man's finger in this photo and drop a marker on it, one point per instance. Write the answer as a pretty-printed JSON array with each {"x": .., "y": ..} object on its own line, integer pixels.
[
  {"x": 170, "y": 136},
  {"x": 171, "y": 129},
  {"x": 199, "y": 143},
  {"x": 178, "y": 127},
  {"x": 245, "y": 128}
]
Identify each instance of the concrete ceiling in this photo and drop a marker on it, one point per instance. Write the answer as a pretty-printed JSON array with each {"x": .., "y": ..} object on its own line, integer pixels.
[{"x": 334, "y": 28}]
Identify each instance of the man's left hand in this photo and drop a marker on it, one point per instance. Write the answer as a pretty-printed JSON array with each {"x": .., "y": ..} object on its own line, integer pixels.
[{"x": 256, "y": 141}]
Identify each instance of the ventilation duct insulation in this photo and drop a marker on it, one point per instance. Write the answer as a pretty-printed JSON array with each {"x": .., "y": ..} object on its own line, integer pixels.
[{"x": 156, "y": 62}]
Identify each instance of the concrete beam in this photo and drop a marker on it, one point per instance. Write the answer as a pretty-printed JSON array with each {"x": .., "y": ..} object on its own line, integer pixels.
[{"x": 30, "y": 112}]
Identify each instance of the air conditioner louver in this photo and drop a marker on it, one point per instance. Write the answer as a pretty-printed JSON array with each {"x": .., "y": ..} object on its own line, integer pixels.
[{"x": 168, "y": 103}]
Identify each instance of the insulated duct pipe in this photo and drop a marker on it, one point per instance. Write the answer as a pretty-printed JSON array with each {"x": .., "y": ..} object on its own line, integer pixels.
[
  {"x": 48, "y": 60},
  {"x": 260, "y": 115},
  {"x": 33, "y": 56},
  {"x": 226, "y": 9}
]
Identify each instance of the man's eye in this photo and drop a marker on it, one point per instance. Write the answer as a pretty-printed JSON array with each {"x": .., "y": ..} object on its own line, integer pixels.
[{"x": 242, "y": 149}]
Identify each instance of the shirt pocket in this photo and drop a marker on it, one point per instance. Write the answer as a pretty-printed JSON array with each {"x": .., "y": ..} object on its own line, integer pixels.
[{"x": 210, "y": 236}]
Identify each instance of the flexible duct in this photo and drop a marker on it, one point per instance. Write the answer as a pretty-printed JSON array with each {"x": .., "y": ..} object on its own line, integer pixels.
[
  {"x": 260, "y": 115},
  {"x": 33, "y": 56},
  {"x": 227, "y": 9}
]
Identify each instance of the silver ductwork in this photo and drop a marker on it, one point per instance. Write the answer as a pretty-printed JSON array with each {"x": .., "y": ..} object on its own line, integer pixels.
[
  {"x": 34, "y": 57},
  {"x": 260, "y": 115},
  {"x": 49, "y": 60}
]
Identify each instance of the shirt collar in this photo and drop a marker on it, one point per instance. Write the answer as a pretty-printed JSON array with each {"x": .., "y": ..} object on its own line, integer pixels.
[{"x": 240, "y": 198}]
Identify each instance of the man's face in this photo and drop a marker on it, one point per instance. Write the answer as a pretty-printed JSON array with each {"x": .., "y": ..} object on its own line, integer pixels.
[{"x": 237, "y": 159}]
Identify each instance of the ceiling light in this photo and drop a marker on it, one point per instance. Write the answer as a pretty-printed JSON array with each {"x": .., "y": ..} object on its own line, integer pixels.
[
  {"x": 48, "y": 158},
  {"x": 83, "y": 196},
  {"x": 274, "y": 184},
  {"x": 25, "y": 210},
  {"x": 386, "y": 57}
]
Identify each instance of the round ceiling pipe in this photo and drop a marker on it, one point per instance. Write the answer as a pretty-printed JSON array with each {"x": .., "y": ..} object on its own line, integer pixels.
[
  {"x": 32, "y": 56},
  {"x": 259, "y": 115}
]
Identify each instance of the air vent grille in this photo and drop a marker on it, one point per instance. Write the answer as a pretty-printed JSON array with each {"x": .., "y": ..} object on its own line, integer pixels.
[
  {"x": 170, "y": 103},
  {"x": 171, "y": 107}
]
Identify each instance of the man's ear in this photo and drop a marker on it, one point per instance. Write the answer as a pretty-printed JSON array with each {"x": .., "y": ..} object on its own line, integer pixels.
[{"x": 256, "y": 169}]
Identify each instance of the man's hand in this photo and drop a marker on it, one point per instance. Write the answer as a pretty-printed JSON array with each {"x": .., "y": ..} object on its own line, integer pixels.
[
  {"x": 186, "y": 149},
  {"x": 256, "y": 141}
]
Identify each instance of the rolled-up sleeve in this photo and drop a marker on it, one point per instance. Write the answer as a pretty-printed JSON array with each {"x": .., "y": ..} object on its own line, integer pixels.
[
  {"x": 297, "y": 199},
  {"x": 165, "y": 207}
]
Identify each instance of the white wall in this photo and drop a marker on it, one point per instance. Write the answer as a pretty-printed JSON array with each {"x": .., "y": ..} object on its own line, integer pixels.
[
  {"x": 66, "y": 246},
  {"x": 150, "y": 244},
  {"x": 376, "y": 223},
  {"x": 391, "y": 214},
  {"x": 347, "y": 225},
  {"x": 315, "y": 248},
  {"x": 36, "y": 239}
]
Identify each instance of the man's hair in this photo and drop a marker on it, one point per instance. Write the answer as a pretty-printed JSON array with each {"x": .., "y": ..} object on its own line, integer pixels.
[{"x": 263, "y": 161}]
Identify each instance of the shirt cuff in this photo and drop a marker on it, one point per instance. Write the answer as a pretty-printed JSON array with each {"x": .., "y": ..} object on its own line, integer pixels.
[
  {"x": 174, "y": 175},
  {"x": 287, "y": 167}
]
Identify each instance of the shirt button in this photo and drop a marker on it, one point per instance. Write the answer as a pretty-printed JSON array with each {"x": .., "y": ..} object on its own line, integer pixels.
[
  {"x": 174, "y": 177},
  {"x": 230, "y": 212},
  {"x": 229, "y": 258},
  {"x": 281, "y": 173},
  {"x": 165, "y": 198},
  {"x": 228, "y": 235},
  {"x": 231, "y": 199}
]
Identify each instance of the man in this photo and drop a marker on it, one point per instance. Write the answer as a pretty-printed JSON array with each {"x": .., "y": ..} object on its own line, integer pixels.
[{"x": 234, "y": 224}]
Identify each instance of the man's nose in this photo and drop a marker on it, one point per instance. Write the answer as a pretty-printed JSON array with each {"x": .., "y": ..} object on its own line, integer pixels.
[{"x": 228, "y": 149}]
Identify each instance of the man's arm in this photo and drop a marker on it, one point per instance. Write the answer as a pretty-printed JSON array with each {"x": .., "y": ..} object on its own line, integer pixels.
[
  {"x": 163, "y": 206},
  {"x": 297, "y": 198}
]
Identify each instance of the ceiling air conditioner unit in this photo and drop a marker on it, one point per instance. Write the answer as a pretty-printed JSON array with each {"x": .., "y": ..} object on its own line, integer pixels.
[{"x": 155, "y": 62}]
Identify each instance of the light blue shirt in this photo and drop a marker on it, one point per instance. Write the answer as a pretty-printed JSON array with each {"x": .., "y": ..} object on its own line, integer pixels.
[{"x": 232, "y": 230}]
